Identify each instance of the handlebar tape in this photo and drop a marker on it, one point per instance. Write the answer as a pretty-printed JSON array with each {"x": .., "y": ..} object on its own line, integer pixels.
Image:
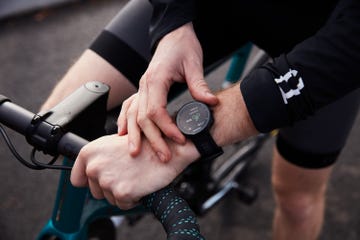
[{"x": 174, "y": 213}]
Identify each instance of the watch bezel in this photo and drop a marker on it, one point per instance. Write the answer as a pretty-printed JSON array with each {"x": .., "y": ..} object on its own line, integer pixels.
[{"x": 184, "y": 110}]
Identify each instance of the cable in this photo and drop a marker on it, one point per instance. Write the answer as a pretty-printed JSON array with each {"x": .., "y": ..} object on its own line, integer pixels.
[
  {"x": 48, "y": 165},
  {"x": 15, "y": 153},
  {"x": 36, "y": 164}
]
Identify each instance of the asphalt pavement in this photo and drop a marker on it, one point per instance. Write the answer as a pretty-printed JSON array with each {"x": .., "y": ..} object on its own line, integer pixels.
[
  {"x": 11, "y": 8},
  {"x": 39, "y": 47}
]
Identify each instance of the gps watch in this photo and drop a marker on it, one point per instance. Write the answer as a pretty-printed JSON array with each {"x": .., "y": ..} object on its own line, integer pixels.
[{"x": 194, "y": 120}]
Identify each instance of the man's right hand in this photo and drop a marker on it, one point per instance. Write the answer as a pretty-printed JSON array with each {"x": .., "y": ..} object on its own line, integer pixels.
[{"x": 178, "y": 58}]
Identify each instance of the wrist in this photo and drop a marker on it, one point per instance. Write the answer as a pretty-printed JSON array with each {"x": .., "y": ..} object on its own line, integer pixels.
[
  {"x": 186, "y": 153},
  {"x": 232, "y": 122}
]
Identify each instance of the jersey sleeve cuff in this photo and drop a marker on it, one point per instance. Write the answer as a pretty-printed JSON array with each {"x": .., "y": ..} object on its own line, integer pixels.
[{"x": 264, "y": 101}]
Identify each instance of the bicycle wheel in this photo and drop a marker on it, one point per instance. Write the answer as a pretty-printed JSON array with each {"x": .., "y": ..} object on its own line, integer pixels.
[{"x": 237, "y": 157}]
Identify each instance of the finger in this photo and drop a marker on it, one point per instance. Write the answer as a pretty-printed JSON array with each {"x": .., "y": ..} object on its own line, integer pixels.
[
  {"x": 134, "y": 131},
  {"x": 157, "y": 142},
  {"x": 200, "y": 91},
  {"x": 198, "y": 87},
  {"x": 78, "y": 176},
  {"x": 155, "y": 109},
  {"x": 150, "y": 130},
  {"x": 155, "y": 138},
  {"x": 126, "y": 205},
  {"x": 109, "y": 197},
  {"x": 122, "y": 119},
  {"x": 95, "y": 190},
  {"x": 165, "y": 123}
]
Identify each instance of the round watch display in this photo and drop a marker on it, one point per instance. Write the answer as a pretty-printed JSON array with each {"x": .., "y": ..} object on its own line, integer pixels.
[{"x": 193, "y": 117}]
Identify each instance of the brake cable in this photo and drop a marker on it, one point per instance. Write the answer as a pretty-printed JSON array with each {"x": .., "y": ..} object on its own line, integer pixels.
[{"x": 35, "y": 164}]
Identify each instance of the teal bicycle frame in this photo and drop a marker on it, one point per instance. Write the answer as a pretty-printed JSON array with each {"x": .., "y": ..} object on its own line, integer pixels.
[{"x": 75, "y": 209}]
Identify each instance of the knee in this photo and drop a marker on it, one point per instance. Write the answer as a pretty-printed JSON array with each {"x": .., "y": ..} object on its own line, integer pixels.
[{"x": 298, "y": 205}]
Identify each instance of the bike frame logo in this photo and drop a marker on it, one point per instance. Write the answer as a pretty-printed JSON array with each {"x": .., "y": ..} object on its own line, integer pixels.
[{"x": 290, "y": 85}]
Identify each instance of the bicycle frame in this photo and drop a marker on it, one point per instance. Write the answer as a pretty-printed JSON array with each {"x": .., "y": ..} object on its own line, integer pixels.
[
  {"x": 75, "y": 209},
  {"x": 56, "y": 132}
]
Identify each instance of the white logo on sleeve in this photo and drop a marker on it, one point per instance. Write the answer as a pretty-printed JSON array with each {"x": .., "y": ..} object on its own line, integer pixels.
[{"x": 289, "y": 85}]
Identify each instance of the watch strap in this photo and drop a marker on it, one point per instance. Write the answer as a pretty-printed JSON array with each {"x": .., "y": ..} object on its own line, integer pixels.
[{"x": 206, "y": 146}]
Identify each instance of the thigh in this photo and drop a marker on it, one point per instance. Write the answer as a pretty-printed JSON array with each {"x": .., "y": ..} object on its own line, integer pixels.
[{"x": 124, "y": 42}]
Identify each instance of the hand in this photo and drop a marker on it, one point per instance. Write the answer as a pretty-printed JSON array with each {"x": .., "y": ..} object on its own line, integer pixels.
[
  {"x": 178, "y": 58},
  {"x": 105, "y": 166}
]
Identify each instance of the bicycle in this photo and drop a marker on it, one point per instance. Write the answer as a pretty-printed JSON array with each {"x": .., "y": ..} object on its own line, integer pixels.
[{"x": 90, "y": 217}]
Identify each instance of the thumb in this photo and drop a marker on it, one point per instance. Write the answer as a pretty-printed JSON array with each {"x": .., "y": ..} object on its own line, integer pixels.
[{"x": 200, "y": 90}]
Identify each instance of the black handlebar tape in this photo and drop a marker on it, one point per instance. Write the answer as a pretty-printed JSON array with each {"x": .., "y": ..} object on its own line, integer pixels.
[{"x": 174, "y": 213}]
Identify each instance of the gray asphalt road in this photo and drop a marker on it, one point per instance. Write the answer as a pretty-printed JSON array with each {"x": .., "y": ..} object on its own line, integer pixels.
[
  {"x": 10, "y": 8},
  {"x": 37, "y": 49}
]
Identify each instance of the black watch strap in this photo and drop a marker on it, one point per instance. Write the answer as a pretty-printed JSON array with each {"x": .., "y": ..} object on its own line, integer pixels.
[{"x": 206, "y": 146}]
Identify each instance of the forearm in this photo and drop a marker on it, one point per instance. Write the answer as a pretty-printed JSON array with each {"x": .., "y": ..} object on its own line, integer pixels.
[
  {"x": 329, "y": 61},
  {"x": 316, "y": 72},
  {"x": 232, "y": 122}
]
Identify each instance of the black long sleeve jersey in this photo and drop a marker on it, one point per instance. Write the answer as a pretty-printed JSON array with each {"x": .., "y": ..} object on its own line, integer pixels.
[{"x": 316, "y": 72}]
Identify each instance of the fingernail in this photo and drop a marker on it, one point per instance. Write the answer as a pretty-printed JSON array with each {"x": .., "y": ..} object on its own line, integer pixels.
[{"x": 161, "y": 156}]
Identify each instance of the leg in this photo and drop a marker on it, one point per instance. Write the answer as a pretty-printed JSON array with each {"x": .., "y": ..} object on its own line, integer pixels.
[
  {"x": 300, "y": 199},
  {"x": 302, "y": 164},
  {"x": 117, "y": 57},
  {"x": 90, "y": 67}
]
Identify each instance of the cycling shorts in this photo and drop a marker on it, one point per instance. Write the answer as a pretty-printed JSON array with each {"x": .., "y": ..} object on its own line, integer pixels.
[{"x": 275, "y": 26}]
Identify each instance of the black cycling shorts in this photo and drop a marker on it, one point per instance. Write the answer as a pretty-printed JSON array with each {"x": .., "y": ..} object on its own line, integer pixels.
[{"x": 276, "y": 26}]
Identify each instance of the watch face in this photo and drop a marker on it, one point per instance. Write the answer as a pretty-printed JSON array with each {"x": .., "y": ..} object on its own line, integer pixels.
[{"x": 193, "y": 117}]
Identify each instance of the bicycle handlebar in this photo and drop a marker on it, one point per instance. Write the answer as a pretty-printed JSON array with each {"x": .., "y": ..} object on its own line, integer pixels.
[{"x": 174, "y": 213}]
